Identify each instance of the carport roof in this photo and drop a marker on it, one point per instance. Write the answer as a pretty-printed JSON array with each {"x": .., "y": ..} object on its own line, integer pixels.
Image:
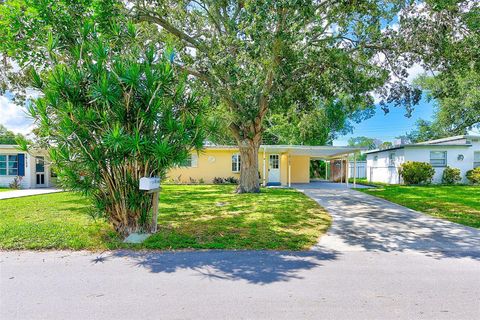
[{"x": 316, "y": 152}]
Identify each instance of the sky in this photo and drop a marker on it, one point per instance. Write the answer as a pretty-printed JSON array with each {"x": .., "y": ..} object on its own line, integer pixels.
[{"x": 386, "y": 127}]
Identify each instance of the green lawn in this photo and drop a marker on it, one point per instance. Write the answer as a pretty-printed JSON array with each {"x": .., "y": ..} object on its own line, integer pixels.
[
  {"x": 5, "y": 189},
  {"x": 200, "y": 217},
  {"x": 460, "y": 204}
]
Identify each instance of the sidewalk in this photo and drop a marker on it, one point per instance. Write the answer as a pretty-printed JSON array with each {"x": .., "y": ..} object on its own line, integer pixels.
[{"x": 26, "y": 193}]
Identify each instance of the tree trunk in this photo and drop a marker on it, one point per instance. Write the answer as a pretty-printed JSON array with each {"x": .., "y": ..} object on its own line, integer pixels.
[{"x": 249, "y": 174}]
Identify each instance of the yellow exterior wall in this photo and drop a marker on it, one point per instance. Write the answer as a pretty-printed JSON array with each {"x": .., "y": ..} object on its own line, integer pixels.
[
  {"x": 218, "y": 163},
  {"x": 300, "y": 169}
]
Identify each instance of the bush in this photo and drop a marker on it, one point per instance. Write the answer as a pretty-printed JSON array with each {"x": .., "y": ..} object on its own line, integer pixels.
[
  {"x": 474, "y": 175},
  {"x": 16, "y": 183},
  {"x": 451, "y": 175},
  {"x": 228, "y": 180},
  {"x": 414, "y": 172}
]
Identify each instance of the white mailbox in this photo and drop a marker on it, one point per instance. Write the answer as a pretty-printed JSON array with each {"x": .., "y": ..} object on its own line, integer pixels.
[{"x": 149, "y": 183}]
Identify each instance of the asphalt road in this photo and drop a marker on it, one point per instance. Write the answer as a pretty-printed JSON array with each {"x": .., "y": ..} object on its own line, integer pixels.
[{"x": 378, "y": 261}]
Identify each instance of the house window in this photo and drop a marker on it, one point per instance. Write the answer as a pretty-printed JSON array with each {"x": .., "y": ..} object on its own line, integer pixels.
[
  {"x": 438, "y": 158},
  {"x": 191, "y": 161},
  {"x": 476, "y": 159},
  {"x": 8, "y": 165},
  {"x": 236, "y": 163},
  {"x": 391, "y": 159}
]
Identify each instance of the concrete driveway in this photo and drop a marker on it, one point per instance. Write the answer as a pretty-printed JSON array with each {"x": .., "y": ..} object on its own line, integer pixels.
[{"x": 379, "y": 261}]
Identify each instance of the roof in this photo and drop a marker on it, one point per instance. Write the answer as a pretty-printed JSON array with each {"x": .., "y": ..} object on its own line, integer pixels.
[
  {"x": 445, "y": 142},
  {"x": 320, "y": 152}
]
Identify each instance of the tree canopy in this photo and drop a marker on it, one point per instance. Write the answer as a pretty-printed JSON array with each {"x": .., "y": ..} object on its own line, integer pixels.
[
  {"x": 311, "y": 64},
  {"x": 9, "y": 137}
]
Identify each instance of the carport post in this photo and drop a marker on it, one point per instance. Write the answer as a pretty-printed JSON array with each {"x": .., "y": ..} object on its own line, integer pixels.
[
  {"x": 355, "y": 170},
  {"x": 347, "y": 169},
  {"x": 326, "y": 172}
]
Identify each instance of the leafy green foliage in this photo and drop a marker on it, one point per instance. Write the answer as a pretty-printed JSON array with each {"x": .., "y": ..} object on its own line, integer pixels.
[
  {"x": 474, "y": 175},
  {"x": 285, "y": 71},
  {"x": 451, "y": 175},
  {"x": 413, "y": 172},
  {"x": 445, "y": 36},
  {"x": 9, "y": 137},
  {"x": 113, "y": 112}
]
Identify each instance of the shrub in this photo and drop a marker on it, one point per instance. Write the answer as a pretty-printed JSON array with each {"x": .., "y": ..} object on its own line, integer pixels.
[
  {"x": 451, "y": 175},
  {"x": 16, "y": 183},
  {"x": 474, "y": 175},
  {"x": 414, "y": 172},
  {"x": 201, "y": 181},
  {"x": 231, "y": 180},
  {"x": 228, "y": 180},
  {"x": 218, "y": 180}
]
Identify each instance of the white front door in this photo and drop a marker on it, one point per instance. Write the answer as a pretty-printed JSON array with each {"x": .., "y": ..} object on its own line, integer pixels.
[{"x": 274, "y": 168}]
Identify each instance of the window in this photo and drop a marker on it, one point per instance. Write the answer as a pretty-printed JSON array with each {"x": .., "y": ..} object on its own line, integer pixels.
[
  {"x": 274, "y": 161},
  {"x": 438, "y": 158},
  {"x": 40, "y": 164},
  {"x": 391, "y": 159},
  {"x": 8, "y": 165},
  {"x": 476, "y": 159},
  {"x": 191, "y": 161},
  {"x": 236, "y": 163}
]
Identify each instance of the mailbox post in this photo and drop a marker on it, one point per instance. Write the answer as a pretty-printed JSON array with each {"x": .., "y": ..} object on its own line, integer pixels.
[{"x": 152, "y": 185}]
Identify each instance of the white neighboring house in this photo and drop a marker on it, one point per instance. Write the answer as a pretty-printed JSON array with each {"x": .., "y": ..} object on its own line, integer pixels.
[
  {"x": 32, "y": 168},
  {"x": 462, "y": 152}
]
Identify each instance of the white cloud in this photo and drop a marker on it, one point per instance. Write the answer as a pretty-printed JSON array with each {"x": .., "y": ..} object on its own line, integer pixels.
[{"x": 14, "y": 117}]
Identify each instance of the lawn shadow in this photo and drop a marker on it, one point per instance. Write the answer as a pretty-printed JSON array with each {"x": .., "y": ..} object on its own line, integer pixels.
[
  {"x": 256, "y": 267},
  {"x": 372, "y": 224}
]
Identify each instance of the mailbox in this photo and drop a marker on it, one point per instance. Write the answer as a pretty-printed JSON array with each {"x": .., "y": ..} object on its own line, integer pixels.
[{"x": 149, "y": 183}]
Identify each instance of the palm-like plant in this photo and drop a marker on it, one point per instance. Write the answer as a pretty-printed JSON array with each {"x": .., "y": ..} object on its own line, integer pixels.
[{"x": 114, "y": 112}]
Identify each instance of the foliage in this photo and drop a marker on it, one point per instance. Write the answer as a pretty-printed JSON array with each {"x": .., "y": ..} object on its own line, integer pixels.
[
  {"x": 364, "y": 142},
  {"x": 16, "y": 183},
  {"x": 413, "y": 172},
  {"x": 9, "y": 137},
  {"x": 317, "y": 169},
  {"x": 445, "y": 36},
  {"x": 228, "y": 180},
  {"x": 200, "y": 217},
  {"x": 451, "y": 175},
  {"x": 459, "y": 204},
  {"x": 113, "y": 112},
  {"x": 295, "y": 70},
  {"x": 474, "y": 175}
]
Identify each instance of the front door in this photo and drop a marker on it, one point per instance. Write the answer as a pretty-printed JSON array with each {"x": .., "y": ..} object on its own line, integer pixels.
[
  {"x": 274, "y": 168},
  {"x": 40, "y": 171}
]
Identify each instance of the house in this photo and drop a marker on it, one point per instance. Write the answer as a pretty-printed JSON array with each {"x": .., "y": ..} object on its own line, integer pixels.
[
  {"x": 462, "y": 152},
  {"x": 278, "y": 164},
  {"x": 33, "y": 169}
]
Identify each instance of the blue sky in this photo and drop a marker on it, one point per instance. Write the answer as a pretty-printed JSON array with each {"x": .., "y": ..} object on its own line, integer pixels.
[{"x": 386, "y": 127}]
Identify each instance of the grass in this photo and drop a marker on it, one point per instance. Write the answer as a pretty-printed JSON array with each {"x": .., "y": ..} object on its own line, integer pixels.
[
  {"x": 2, "y": 189},
  {"x": 190, "y": 217},
  {"x": 460, "y": 204}
]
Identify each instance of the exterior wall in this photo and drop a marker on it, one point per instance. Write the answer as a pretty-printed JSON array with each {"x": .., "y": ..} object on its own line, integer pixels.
[
  {"x": 423, "y": 155},
  {"x": 29, "y": 180},
  {"x": 218, "y": 163},
  {"x": 300, "y": 169},
  {"x": 380, "y": 170}
]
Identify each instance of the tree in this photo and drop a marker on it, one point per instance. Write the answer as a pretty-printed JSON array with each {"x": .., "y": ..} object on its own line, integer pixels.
[
  {"x": 364, "y": 142},
  {"x": 261, "y": 58},
  {"x": 9, "y": 137},
  {"x": 113, "y": 111},
  {"x": 445, "y": 38},
  {"x": 427, "y": 130}
]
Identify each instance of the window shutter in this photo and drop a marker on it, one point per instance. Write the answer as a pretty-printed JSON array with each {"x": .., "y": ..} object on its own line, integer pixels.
[
  {"x": 21, "y": 164},
  {"x": 194, "y": 160}
]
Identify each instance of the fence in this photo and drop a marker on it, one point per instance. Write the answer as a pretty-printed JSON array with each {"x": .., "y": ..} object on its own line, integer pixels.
[{"x": 361, "y": 169}]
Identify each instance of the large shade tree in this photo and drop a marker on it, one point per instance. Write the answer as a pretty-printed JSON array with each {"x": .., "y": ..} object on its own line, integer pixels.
[
  {"x": 445, "y": 38},
  {"x": 319, "y": 59}
]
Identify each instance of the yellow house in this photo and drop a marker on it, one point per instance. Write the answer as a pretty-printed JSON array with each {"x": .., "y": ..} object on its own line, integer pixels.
[{"x": 278, "y": 164}]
